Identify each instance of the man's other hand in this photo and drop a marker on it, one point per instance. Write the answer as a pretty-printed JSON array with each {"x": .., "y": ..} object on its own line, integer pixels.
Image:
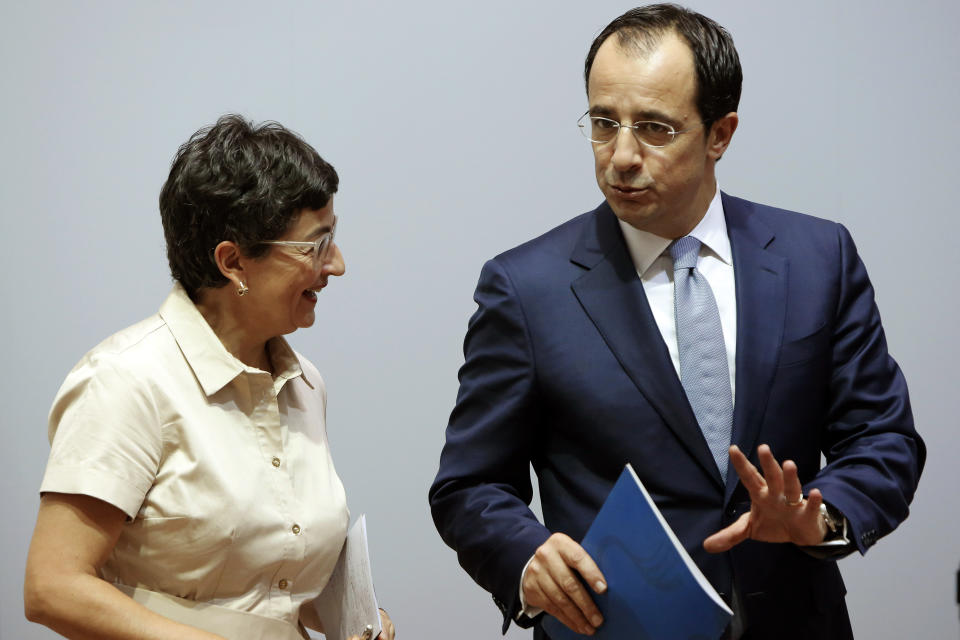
[
  {"x": 778, "y": 510},
  {"x": 550, "y": 583}
]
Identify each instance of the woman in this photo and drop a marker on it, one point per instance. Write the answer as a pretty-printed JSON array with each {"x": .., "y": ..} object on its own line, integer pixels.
[{"x": 190, "y": 491}]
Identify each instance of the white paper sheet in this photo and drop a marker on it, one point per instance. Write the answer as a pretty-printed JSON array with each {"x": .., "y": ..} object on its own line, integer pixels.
[{"x": 348, "y": 602}]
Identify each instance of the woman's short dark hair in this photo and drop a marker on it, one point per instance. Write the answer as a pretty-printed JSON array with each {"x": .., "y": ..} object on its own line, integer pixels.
[
  {"x": 239, "y": 182},
  {"x": 719, "y": 76}
]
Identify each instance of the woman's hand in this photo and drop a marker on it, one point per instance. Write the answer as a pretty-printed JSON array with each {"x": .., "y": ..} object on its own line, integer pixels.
[{"x": 389, "y": 632}]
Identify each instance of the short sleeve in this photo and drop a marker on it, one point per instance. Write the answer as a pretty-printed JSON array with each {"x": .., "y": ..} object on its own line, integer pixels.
[{"x": 105, "y": 435}]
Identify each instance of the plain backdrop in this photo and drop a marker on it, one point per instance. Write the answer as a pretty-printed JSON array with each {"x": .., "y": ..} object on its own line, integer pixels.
[{"x": 452, "y": 125}]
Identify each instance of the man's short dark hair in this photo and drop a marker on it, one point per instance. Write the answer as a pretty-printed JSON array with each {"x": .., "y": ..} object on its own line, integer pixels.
[
  {"x": 719, "y": 76},
  {"x": 239, "y": 182}
]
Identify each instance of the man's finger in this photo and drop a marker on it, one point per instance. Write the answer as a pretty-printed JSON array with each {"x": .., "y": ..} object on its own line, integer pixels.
[
  {"x": 809, "y": 528},
  {"x": 752, "y": 481},
  {"x": 772, "y": 472},
  {"x": 548, "y": 595},
  {"x": 565, "y": 610},
  {"x": 792, "y": 489},
  {"x": 570, "y": 556},
  {"x": 814, "y": 500},
  {"x": 575, "y": 556},
  {"x": 729, "y": 536},
  {"x": 536, "y": 596}
]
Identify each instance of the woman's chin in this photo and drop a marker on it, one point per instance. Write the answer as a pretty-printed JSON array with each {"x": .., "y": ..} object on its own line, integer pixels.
[{"x": 306, "y": 320}]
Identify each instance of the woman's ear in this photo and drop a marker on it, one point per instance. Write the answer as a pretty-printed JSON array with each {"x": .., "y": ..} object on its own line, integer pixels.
[{"x": 230, "y": 261}]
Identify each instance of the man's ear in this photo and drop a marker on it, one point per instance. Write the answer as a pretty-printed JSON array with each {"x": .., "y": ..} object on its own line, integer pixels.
[
  {"x": 230, "y": 261},
  {"x": 721, "y": 132}
]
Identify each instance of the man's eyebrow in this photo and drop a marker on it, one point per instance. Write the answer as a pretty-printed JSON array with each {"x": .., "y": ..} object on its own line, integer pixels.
[
  {"x": 639, "y": 116},
  {"x": 600, "y": 110},
  {"x": 658, "y": 116}
]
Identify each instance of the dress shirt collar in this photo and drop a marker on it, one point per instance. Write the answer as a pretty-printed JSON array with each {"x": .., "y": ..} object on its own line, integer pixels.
[
  {"x": 711, "y": 231},
  {"x": 210, "y": 361}
]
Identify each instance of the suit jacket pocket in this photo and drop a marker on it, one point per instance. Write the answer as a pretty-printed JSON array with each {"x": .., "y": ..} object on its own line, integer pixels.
[{"x": 795, "y": 351}]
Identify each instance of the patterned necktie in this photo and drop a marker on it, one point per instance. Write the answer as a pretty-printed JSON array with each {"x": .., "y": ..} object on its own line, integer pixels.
[{"x": 703, "y": 354}]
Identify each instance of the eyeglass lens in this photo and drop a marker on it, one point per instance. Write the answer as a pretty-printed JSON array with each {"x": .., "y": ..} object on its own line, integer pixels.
[
  {"x": 654, "y": 134},
  {"x": 324, "y": 249}
]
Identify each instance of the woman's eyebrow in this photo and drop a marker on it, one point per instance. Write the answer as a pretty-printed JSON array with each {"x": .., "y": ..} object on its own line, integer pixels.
[{"x": 322, "y": 229}]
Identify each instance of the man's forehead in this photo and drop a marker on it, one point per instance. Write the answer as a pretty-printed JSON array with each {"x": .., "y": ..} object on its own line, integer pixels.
[
  {"x": 666, "y": 49},
  {"x": 639, "y": 43},
  {"x": 663, "y": 74}
]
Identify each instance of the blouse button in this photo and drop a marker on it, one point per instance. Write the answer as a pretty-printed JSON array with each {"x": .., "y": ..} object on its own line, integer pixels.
[
  {"x": 276, "y": 461},
  {"x": 296, "y": 529},
  {"x": 283, "y": 584}
]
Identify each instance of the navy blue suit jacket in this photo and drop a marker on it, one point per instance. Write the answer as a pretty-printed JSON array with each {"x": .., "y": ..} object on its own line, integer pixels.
[{"x": 566, "y": 369}]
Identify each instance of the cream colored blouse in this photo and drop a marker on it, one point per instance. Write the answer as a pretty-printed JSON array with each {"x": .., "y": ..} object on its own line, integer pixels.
[{"x": 223, "y": 469}]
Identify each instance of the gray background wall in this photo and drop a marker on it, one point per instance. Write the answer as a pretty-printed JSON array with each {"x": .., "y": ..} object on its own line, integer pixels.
[{"x": 452, "y": 126}]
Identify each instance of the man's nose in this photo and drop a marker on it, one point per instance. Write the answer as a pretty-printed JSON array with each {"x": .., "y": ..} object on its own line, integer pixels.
[{"x": 627, "y": 150}]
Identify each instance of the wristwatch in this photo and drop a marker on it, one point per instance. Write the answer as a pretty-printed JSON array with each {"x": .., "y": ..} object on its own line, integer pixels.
[{"x": 834, "y": 521}]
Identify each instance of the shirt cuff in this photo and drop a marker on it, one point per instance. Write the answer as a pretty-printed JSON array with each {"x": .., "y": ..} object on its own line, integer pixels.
[{"x": 529, "y": 612}]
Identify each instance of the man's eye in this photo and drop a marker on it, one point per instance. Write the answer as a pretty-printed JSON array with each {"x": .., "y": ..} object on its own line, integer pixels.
[
  {"x": 603, "y": 123},
  {"x": 655, "y": 128}
]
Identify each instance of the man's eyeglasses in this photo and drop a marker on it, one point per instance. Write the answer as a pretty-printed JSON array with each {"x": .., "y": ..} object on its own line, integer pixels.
[
  {"x": 653, "y": 134},
  {"x": 319, "y": 250}
]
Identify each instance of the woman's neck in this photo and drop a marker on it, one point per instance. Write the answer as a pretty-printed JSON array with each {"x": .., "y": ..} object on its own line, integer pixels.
[{"x": 223, "y": 315}]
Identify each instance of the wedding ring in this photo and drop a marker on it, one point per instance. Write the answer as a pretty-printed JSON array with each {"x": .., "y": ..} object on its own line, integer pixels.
[{"x": 798, "y": 502}]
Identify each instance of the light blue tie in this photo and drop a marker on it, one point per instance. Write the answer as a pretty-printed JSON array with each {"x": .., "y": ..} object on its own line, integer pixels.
[{"x": 703, "y": 354}]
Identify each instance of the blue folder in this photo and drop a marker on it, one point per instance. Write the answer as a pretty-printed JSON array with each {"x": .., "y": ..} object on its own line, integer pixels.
[{"x": 654, "y": 590}]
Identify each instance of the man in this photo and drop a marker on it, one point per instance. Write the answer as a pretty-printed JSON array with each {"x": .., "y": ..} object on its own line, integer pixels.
[{"x": 692, "y": 334}]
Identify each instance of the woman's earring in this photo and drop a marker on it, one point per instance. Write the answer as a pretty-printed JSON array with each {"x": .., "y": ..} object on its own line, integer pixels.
[{"x": 242, "y": 290}]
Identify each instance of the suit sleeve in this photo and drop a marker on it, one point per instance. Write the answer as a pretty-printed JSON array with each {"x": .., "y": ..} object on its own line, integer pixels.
[
  {"x": 874, "y": 455},
  {"x": 480, "y": 498}
]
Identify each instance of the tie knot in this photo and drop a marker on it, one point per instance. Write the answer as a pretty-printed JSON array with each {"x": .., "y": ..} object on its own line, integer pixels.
[{"x": 685, "y": 252}]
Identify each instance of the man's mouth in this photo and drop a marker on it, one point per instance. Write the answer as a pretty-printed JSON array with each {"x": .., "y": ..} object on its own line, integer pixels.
[{"x": 630, "y": 193}]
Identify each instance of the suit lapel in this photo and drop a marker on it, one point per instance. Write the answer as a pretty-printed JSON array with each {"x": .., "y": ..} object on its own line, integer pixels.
[
  {"x": 612, "y": 295},
  {"x": 761, "y": 278}
]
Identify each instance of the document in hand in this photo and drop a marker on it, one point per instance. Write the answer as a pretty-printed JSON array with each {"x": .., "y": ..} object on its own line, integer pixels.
[
  {"x": 654, "y": 590},
  {"x": 348, "y": 604}
]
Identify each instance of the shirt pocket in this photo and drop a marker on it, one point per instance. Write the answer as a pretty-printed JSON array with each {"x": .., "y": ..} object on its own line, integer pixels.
[{"x": 182, "y": 556}]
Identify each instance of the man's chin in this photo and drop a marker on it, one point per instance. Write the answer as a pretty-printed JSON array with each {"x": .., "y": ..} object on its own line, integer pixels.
[{"x": 635, "y": 214}]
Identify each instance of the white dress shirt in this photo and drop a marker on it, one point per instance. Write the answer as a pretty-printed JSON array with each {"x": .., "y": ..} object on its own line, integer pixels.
[
  {"x": 651, "y": 257},
  {"x": 223, "y": 470}
]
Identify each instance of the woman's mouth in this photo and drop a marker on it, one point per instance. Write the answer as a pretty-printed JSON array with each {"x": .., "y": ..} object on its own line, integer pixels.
[{"x": 311, "y": 294}]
